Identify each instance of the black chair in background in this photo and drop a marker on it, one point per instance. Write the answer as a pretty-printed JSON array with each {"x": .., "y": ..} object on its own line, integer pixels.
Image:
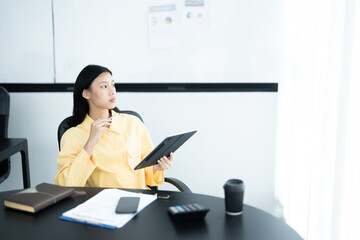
[
  {"x": 10, "y": 146},
  {"x": 68, "y": 123},
  {"x": 5, "y": 164}
]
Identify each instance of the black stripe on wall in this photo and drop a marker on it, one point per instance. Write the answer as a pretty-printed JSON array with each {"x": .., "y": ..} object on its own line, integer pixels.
[{"x": 150, "y": 87}]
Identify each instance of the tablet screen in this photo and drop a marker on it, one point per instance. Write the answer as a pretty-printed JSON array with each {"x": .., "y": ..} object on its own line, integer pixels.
[{"x": 168, "y": 145}]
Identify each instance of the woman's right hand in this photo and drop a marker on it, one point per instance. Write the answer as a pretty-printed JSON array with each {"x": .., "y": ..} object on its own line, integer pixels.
[{"x": 96, "y": 128}]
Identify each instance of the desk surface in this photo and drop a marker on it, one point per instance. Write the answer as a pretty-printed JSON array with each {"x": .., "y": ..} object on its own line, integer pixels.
[{"x": 151, "y": 223}]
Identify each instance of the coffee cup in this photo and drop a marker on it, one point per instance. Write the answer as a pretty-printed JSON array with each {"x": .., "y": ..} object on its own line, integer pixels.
[{"x": 234, "y": 196}]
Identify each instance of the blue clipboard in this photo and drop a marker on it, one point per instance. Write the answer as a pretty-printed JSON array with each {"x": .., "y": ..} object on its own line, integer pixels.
[
  {"x": 168, "y": 145},
  {"x": 87, "y": 223}
]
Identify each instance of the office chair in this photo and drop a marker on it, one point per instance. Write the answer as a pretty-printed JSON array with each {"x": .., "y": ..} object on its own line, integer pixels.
[
  {"x": 4, "y": 120},
  {"x": 68, "y": 123}
]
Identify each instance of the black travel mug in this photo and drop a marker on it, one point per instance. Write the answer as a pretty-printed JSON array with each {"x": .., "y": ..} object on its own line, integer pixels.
[{"x": 234, "y": 196}]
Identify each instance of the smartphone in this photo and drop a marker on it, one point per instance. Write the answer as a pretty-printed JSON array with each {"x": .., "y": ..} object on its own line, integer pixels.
[{"x": 127, "y": 205}]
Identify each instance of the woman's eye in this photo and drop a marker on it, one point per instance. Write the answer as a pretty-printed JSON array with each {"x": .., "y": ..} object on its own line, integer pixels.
[{"x": 103, "y": 86}]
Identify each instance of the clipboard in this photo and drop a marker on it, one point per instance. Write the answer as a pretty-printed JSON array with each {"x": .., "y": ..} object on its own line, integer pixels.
[{"x": 168, "y": 145}]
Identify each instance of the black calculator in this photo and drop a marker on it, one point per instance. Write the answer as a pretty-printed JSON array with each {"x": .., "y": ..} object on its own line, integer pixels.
[{"x": 188, "y": 211}]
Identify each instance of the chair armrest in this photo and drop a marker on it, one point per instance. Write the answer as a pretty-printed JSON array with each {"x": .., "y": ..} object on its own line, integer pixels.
[{"x": 177, "y": 183}]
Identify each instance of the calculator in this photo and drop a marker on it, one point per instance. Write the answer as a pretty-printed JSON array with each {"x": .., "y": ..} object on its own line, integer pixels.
[{"x": 188, "y": 211}]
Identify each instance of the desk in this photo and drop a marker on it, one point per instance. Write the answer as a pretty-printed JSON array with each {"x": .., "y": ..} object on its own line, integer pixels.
[
  {"x": 10, "y": 146},
  {"x": 151, "y": 223}
]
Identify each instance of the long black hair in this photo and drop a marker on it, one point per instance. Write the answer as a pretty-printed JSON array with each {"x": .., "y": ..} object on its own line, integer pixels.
[{"x": 83, "y": 81}]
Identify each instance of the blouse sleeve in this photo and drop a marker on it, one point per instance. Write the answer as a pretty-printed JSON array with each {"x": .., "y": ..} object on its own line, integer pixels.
[{"x": 74, "y": 163}]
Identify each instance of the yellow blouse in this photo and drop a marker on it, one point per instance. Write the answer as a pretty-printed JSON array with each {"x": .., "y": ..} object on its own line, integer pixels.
[{"x": 114, "y": 157}]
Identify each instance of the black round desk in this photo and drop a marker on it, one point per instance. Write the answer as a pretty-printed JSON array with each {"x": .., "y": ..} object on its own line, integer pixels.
[{"x": 153, "y": 222}]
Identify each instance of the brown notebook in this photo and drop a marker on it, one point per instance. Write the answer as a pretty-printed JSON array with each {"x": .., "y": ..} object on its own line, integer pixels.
[{"x": 37, "y": 198}]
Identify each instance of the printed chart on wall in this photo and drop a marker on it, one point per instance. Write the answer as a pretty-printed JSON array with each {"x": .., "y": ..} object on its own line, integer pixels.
[
  {"x": 163, "y": 26},
  {"x": 194, "y": 13}
]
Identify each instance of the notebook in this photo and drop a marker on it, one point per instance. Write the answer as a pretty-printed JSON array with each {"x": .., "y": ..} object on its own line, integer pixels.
[{"x": 36, "y": 198}]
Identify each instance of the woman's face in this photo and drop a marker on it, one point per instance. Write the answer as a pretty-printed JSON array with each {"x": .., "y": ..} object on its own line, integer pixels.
[{"x": 101, "y": 93}]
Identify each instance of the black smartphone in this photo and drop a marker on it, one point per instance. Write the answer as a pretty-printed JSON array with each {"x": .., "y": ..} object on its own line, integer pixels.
[{"x": 127, "y": 205}]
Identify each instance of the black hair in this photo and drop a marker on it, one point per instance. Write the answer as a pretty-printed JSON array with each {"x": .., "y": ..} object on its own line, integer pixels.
[{"x": 83, "y": 81}]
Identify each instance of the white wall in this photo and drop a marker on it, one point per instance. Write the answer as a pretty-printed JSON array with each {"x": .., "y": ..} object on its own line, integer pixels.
[
  {"x": 26, "y": 44},
  {"x": 235, "y": 138}
]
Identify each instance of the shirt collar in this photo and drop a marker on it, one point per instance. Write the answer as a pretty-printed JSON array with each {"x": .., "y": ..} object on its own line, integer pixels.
[
  {"x": 116, "y": 122},
  {"x": 86, "y": 124}
]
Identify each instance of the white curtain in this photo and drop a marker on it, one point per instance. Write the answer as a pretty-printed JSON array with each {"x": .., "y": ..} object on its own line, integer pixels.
[{"x": 318, "y": 132}]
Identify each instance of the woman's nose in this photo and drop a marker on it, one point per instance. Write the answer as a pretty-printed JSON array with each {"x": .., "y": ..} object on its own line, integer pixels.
[{"x": 112, "y": 90}]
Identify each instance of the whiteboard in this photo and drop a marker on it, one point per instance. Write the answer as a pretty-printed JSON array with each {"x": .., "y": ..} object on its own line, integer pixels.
[
  {"x": 26, "y": 41},
  {"x": 50, "y": 41},
  {"x": 235, "y": 43}
]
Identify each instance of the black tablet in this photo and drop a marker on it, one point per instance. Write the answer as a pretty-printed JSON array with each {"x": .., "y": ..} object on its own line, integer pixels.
[{"x": 168, "y": 145}]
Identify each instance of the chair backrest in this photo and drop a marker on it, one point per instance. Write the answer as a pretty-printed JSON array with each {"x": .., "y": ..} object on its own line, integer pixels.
[
  {"x": 4, "y": 121},
  {"x": 4, "y": 112},
  {"x": 68, "y": 123}
]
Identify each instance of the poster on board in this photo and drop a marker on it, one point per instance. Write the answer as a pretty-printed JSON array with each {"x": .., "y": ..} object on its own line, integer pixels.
[
  {"x": 194, "y": 13},
  {"x": 163, "y": 26}
]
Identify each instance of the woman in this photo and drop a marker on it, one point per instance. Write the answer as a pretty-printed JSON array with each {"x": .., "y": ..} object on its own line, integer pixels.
[{"x": 105, "y": 146}]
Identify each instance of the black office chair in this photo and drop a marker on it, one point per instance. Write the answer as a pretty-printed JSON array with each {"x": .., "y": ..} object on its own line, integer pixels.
[
  {"x": 68, "y": 123},
  {"x": 4, "y": 120}
]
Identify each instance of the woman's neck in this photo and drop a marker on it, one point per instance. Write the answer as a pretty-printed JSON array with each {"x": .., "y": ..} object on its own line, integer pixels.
[{"x": 95, "y": 115}]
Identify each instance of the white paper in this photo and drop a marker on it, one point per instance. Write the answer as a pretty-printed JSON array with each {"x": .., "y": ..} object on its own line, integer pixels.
[
  {"x": 163, "y": 26},
  {"x": 194, "y": 13},
  {"x": 100, "y": 209}
]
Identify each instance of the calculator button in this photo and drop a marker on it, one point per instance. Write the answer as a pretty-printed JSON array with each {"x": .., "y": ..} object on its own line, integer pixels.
[
  {"x": 180, "y": 209},
  {"x": 187, "y": 208},
  {"x": 173, "y": 210},
  {"x": 192, "y": 207},
  {"x": 198, "y": 206}
]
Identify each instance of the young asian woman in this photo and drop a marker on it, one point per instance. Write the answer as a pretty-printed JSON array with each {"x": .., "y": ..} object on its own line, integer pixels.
[{"x": 105, "y": 145}]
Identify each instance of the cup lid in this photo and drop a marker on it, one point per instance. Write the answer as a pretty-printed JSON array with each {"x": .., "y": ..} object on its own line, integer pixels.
[{"x": 234, "y": 185}]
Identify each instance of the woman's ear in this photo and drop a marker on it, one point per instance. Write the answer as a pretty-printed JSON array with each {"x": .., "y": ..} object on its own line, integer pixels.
[{"x": 85, "y": 94}]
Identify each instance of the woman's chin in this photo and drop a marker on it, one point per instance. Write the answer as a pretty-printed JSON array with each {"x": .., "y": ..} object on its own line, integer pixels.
[{"x": 111, "y": 106}]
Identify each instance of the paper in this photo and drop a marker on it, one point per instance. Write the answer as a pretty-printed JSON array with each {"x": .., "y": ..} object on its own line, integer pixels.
[
  {"x": 163, "y": 26},
  {"x": 194, "y": 13},
  {"x": 100, "y": 209}
]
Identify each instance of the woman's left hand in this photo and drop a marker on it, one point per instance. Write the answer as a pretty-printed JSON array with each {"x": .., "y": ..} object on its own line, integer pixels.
[{"x": 164, "y": 163}]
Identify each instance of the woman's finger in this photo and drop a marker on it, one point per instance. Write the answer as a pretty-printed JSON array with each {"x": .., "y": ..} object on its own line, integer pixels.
[
  {"x": 161, "y": 165},
  {"x": 169, "y": 163},
  {"x": 164, "y": 162},
  {"x": 102, "y": 123}
]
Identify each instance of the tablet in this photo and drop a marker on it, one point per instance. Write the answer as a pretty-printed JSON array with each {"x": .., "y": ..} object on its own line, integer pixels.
[{"x": 168, "y": 145}]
